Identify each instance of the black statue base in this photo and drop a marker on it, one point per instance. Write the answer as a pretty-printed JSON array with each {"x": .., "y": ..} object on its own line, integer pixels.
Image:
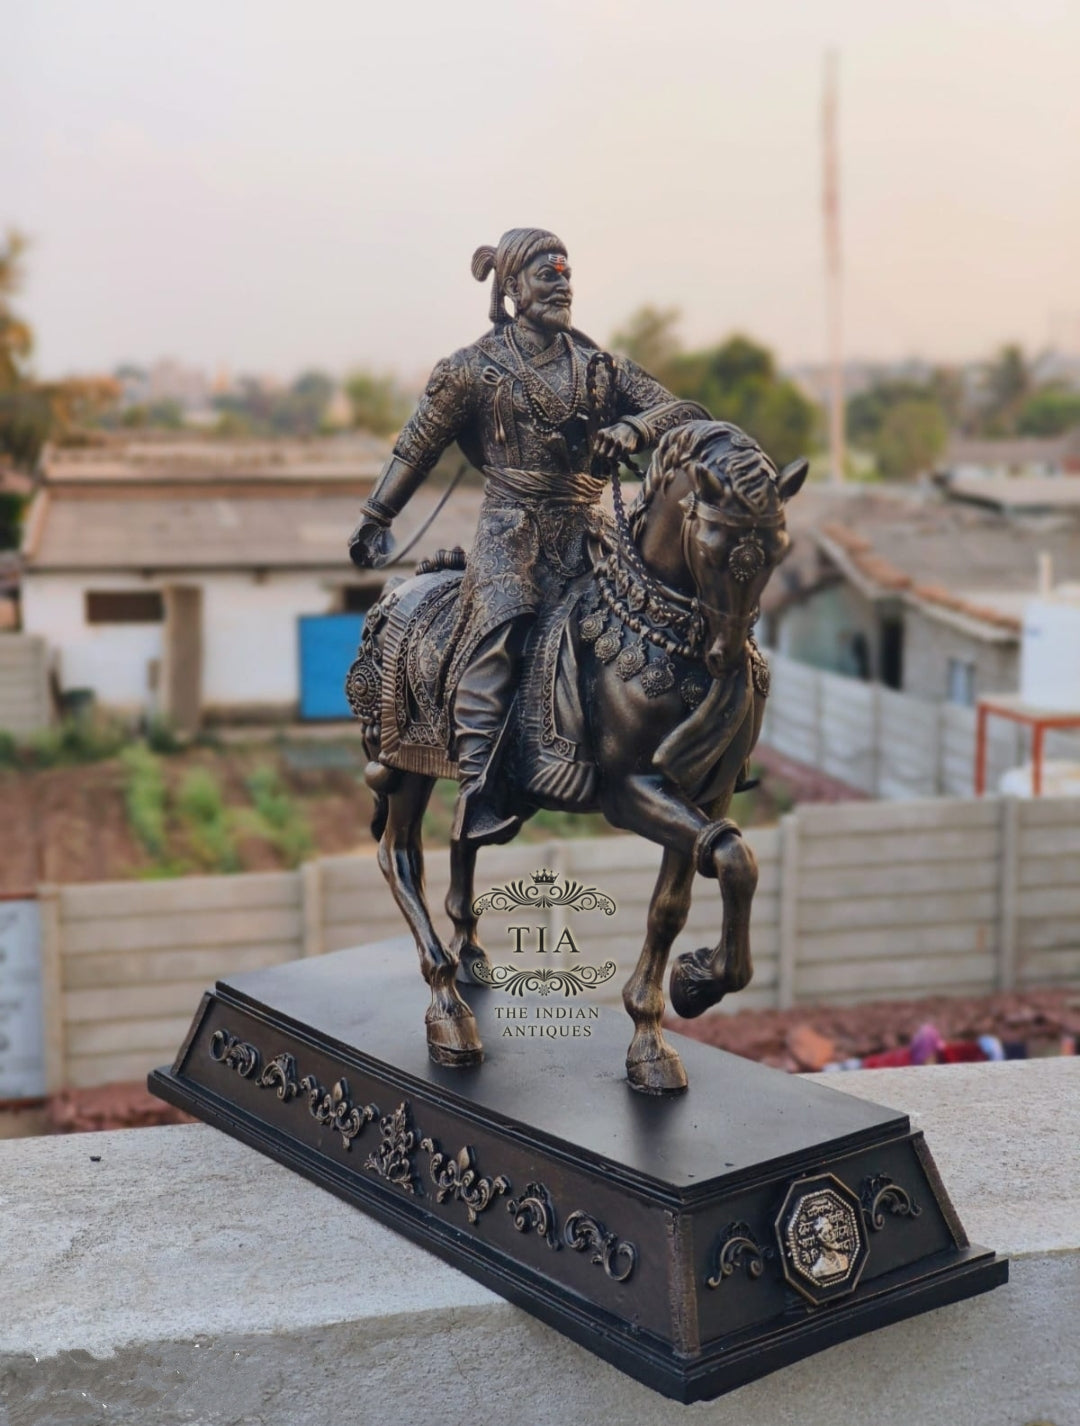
[{"x": 696, "y": 1243}]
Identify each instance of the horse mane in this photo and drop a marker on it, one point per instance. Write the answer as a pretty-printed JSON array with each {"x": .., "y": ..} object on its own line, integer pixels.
[{"x": 713, "y": 454}]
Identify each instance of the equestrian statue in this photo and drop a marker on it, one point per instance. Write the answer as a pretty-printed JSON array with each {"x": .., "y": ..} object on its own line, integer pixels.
[{"x": 571, "y": 660}]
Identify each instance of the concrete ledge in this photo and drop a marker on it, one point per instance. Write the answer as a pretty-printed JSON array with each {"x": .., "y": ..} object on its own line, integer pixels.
[{"x": 156, "y": 1277}]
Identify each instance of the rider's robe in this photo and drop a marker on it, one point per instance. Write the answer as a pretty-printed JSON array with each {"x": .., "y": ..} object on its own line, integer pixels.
[{"x": 523, "y": 419}]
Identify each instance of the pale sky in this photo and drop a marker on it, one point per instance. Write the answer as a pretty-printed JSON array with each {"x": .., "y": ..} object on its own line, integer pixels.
[{"x": 273, "y": 185}]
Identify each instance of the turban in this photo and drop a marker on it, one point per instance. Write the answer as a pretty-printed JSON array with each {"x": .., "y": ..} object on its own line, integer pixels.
[{"x": 516, "y": 248}]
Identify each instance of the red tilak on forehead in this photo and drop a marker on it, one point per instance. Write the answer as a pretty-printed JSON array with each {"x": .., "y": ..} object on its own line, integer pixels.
[{"x": 558, "y": 263}]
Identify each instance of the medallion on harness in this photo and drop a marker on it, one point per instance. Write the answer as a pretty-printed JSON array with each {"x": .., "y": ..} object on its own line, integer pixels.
[
  {"x": 658, "y": 678},
  {"x": 608, "y": 645},
  {"x": 592, "y": 626},
  {"x": 747, "y": 559},
  {"x": 693, "y": 689},
  {"x": 630, "y": 661}
]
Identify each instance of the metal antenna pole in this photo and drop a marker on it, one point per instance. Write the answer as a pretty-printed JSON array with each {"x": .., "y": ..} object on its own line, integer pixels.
[{"x": 833, "y": 268}]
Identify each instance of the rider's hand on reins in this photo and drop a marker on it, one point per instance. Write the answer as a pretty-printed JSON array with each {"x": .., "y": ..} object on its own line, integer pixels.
[
  {"x": 371, "y": 545},
  {"x": 616, "y": 442}
]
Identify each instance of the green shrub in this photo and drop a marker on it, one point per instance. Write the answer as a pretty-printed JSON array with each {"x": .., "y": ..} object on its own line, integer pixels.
[
  {"x": 277, "y": 817},
  {"x": 9, "y": 749},
  {"x": 145, "y": 798},
  {"x": 203, "y": 812},
  {"x": 77, "y": 740},
  {"x": 162, "y": 737}
]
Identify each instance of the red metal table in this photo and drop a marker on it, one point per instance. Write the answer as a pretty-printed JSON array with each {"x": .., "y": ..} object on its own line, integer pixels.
[{"x": 1039, "y": 720}]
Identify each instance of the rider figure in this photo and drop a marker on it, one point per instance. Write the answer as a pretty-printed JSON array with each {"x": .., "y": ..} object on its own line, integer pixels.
[{"x": 518, "y": 403}]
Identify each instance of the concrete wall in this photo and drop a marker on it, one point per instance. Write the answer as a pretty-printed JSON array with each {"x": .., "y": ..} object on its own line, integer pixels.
[
  {"x": 25, "y": 706},
  {"x": 167, "y": 1277},
  {"x": 929, "y": 645},
  {"x": 250, "y": 636},
  {"x": 855, "y": 902},
  {"x": 885, "y": 743}
]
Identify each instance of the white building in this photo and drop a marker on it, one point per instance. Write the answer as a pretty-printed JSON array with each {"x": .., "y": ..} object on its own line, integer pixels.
[{"x": 183, "y": 592}]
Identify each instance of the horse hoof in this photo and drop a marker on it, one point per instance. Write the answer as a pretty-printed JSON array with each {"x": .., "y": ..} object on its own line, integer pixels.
[
  {"x": 454, "y": 1058},
  {"x": 660, "y": 1076},
  {"x": 692, "y": 990},
  {"x": 454, "y": 1040}
]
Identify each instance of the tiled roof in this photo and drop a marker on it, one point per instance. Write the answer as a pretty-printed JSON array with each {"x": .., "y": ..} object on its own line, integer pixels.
[{"x": 917, "y": 545}]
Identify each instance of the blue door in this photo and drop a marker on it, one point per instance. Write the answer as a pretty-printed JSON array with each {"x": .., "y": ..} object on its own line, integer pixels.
[{"x": 328, "y": 644}]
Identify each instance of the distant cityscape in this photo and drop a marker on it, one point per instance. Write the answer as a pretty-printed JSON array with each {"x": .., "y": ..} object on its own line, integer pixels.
[{"x": 200, "y": 394}]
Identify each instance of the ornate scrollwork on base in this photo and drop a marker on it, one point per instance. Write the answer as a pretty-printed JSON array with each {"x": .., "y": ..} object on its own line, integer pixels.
[
  {"x": 458, "y": 1178},
  {"x": 228, "y": 1049},
  {"x": 543, "y": 982},
  {"x": 535, "y": 1212},
  {"x": 280, "y": 1074},
  {"x": 583, "y": 1233},
  {"x": 879, "y": 1193},
  {"x": 392, "y": 1160},
  {"x": 738, "y": 1248},
  {"x": 542, "y": 893},
  {"x": 335, "y": 1108}
]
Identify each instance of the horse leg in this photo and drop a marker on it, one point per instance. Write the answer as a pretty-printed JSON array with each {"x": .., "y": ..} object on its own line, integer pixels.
[
  {"x": 700, "y": 979},
  {"x": 464, "y": 947},
  {"x": 652, "y": 1066},
  {"x": 646, "y": 805},
  {"x": 452, "y": 1034}
]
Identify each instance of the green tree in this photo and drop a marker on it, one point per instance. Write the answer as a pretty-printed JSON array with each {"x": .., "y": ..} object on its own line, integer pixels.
[
  {"x": 738, "y": 381},
  {"x": 867, "y": 410},
  {"x": 650, "y": 338},
  {"x": 378, "y": 403},
  {"x": 1049, "y": 412},
  {"x": 32, "y": 412},
  {"x": 1007, "y": 385},
  {"x": 911, "y": 437},
  {"x": 301, "y": 410},
  {"x": 24, "y": 412},
  {"x": 16, "y": 338}
]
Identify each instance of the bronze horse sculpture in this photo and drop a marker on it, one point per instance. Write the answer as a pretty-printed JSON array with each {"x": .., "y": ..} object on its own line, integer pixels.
[{"x": 668, "y": 689}]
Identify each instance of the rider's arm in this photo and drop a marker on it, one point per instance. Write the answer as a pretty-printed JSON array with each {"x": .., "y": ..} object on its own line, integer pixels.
[
  {"x": 441, "y": 413},
  {"x": 649, "y": 408}
]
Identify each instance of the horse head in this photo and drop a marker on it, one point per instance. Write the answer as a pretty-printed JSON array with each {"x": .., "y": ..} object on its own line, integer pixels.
[{"x": 733, "y": 532}]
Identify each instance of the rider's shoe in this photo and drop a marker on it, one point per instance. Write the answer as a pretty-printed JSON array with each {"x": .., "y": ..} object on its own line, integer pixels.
[{"x": 478, "y": 820}]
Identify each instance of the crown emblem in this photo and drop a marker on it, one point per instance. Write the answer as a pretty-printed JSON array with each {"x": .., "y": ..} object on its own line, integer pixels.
[{"x": 543, "y": 877}]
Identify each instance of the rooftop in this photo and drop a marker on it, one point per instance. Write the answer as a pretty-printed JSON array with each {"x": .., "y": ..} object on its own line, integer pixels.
[
  {"x": 225, "y": 528},
  {"x": 1018, "y": 493},
  {"x": 172, "y": 460},
  {"x": 953, "y": 559},
  {"x": 1013, "y": 452}
]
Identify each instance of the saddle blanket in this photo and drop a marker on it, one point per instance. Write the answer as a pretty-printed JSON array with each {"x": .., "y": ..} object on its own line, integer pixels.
[{"x": 409, "y": 655}]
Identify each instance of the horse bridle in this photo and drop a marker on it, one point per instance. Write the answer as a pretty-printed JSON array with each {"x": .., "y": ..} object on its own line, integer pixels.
[{"x": 749, "y": 547}]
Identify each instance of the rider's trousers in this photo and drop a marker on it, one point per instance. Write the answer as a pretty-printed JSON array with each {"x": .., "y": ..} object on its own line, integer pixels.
[{"x": 482, "y": 701}]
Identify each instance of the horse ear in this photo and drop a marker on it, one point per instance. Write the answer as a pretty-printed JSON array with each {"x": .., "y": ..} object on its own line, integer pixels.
[{"x": 792, "y": 477}]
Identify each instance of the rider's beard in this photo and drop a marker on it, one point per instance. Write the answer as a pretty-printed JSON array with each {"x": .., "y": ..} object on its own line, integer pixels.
[{"x": 551, "y": 316}]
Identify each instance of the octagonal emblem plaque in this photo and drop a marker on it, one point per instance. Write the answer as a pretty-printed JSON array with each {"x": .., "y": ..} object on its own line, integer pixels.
[{"x": 822, "y": 1238}]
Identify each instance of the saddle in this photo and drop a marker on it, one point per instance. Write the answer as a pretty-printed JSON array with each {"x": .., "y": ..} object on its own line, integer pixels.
[{"x": 400, "y": 690}]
